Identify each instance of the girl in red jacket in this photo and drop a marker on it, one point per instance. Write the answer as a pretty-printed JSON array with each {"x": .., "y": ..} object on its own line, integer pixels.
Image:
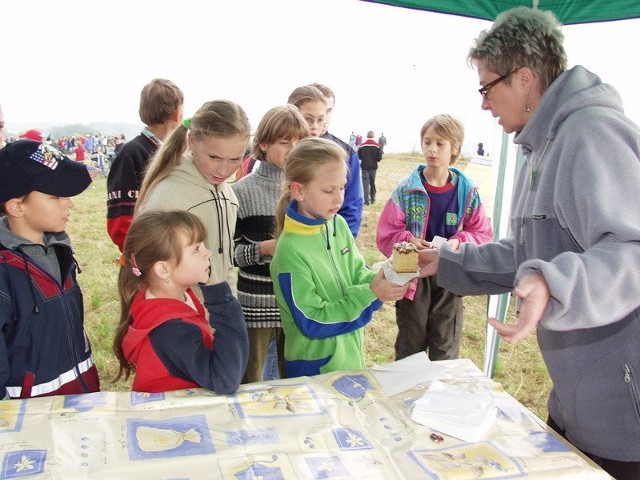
[{"x": 163, "y": 334}]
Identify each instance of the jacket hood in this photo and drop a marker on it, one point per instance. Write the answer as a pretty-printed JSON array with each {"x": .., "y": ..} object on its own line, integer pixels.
[
  {"x": 187, "y": 171},
  {"x": 573, "y": 90},
  {"x": 12, "y": 241},
  {"x": 221, "y": 226},
  {"x": 149, "y": 313}
]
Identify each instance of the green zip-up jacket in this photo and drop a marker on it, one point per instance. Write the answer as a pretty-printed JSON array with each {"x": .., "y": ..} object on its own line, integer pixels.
[{"x": 322, "y": 287}]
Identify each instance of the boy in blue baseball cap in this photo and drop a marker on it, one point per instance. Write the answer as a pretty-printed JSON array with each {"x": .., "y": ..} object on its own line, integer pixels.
[{"x": 43, "y": 346}]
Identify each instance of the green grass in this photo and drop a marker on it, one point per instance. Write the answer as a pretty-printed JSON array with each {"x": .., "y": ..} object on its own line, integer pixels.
[{"x": 520, "y": 368}]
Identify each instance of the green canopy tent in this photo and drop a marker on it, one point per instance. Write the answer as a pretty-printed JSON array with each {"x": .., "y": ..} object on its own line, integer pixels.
[{"x": 568, "y": 12}]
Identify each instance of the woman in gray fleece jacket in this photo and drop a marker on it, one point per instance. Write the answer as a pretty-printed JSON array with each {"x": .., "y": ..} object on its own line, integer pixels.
[{"x": 573, "y": 254}]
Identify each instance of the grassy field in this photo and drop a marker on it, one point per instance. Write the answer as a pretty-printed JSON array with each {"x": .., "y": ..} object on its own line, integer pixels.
[{"x": 520, "y": 368}]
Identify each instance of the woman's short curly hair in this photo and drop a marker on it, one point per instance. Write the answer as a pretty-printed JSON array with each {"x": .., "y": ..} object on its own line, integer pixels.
[{"x": 523, "y": 37}]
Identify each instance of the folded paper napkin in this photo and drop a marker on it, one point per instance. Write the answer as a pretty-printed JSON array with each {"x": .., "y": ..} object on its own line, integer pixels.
[
  {"x": 406, "y": 373},
  {"x": 393, "y": 276},
  {"x": 455, "y": 411}
]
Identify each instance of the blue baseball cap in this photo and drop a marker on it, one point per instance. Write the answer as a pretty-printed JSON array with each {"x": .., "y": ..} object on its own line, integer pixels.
[{"x": 28, "y": 166}]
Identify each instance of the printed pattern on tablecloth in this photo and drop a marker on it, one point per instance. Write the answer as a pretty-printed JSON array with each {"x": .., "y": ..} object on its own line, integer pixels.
[
  {"x": 326, "y": 467},
  {"x": 265, "y": 467},
  {"x": 350, "y": 439},
  {"x": 251, "y": 437},
  {"x": 144, "y": 397},
  {"x": 84, "y": 404},
  {"x": 173, "y": 437},
  {"x": 353, "y": 386},
  {"x": 23, "y": 463},
  {"x": 469, "y": 460},
  {"x": 11, "y": 415},
  {"x": 278, "y": 401},
  {"x": 546, "y": 442},
  {"x": 327, "y": 438},
  {"x": 332, "y": 426}
]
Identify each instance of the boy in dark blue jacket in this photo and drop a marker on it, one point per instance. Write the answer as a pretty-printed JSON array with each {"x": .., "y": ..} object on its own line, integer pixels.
[{"x": 43, "y": 346}]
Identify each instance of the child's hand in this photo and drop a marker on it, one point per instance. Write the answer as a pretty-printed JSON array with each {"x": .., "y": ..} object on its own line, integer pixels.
[
  {"x": 386, "y": 290},
  {"x": 419, "y": 242},
  {"x": 268, "y": 247}
]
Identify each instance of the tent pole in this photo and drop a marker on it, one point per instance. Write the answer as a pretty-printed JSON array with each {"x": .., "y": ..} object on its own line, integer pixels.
[{"x": 497, "y": 305}]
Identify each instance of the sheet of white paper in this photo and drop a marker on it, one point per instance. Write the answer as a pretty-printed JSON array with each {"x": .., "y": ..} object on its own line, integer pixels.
[
  {"x": 438, "y": 241},
  {"x": 455, "y": 411},
  {"x": 401, "y": 375}
]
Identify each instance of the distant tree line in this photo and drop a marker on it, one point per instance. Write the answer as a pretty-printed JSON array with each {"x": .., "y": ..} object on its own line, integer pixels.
[{"x": 105, "y": 128}]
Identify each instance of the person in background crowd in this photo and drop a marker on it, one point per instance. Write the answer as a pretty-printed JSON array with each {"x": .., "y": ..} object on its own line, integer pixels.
[
  {"x": 382, "y": 141},
  {"x": 120, "y": 141},
  {"x": 370, "y": 154},
  {"x": 101, "y": 161},
  {"x": 160, "y": 110},
  {"x": 88, "y": 143},
  {"x": 110, "y": 151},
  {"x": 352, "y": 140},
  {"x": 79, "y": 152},
  {"x": 35, "y": 135},
  {"x": 573, "y": 251}
]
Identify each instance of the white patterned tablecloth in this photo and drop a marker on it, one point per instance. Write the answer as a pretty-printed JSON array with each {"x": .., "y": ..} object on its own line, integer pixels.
[{"x": 333, "y": 426}]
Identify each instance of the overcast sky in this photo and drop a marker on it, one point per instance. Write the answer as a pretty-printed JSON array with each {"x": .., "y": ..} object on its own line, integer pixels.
[{"x": 70, "y": 61}]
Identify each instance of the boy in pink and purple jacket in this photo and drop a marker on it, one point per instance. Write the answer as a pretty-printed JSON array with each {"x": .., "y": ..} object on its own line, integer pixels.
[{"x": 434, "y": 200}]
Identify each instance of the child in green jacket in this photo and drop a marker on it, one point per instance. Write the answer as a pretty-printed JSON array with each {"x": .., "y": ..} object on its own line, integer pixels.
[{"x": 324, "y": 289}]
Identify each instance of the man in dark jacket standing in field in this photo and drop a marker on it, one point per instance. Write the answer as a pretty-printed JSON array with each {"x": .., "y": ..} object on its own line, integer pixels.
[{"x": 370, "y": 154}]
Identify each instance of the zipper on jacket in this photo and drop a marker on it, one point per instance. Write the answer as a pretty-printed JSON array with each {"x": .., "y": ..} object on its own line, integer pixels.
[
  {"x": 635, "y": 393},
  {"x": 336, "y": 272},
  {"x": 74, "y": 349}
]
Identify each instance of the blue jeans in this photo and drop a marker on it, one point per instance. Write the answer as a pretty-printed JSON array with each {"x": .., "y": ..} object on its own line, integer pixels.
[{"x": 270, "y": 369}]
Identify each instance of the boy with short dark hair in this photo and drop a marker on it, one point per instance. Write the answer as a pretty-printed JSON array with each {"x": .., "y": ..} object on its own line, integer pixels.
[
  {"x": 161, "y": 103},
  {"x": 43, "y": 347}
]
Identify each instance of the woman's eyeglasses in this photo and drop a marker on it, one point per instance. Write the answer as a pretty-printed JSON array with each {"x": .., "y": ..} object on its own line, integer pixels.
[{"x": 484, "y": 91}]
